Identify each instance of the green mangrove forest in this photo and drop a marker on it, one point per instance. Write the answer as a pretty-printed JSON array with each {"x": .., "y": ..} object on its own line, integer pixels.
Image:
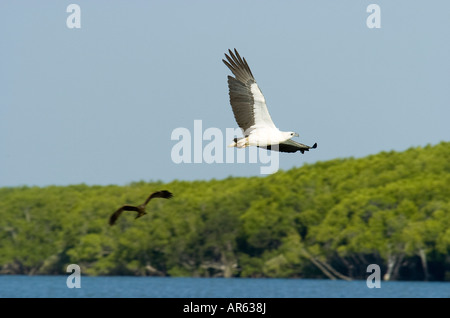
[{"x": 329, "y": 220}]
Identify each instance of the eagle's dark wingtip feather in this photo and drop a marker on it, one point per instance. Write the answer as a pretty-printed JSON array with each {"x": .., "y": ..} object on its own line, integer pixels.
[
  {"x": 167, "y": 194},
  {"x": 314, "y": 146},
  {"x": 112, "y": 220}
]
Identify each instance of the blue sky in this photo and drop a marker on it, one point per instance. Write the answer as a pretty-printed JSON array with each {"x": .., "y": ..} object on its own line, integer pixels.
[{"x": 98, "y": 105}]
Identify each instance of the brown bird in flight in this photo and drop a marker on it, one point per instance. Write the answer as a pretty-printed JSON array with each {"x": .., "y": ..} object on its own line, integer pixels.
[{"x": 140, "y": 209}]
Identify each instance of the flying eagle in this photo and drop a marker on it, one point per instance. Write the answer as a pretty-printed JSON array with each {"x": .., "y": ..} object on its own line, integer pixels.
[
  {"x": 251, "y": 114},
  {"x": 140, "y": 209}
]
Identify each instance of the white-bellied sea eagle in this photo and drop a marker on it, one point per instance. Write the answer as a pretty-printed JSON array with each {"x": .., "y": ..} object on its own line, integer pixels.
[{"x": 251, "y": 114}]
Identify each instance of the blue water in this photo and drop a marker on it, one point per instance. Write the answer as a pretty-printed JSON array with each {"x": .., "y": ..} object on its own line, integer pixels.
[{"x": 18, "y": 286}]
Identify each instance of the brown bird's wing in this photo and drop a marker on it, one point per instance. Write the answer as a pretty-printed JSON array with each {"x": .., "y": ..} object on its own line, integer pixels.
[
  {"x": 159, "y": 194},
  {"x": 116, "y": 214}
]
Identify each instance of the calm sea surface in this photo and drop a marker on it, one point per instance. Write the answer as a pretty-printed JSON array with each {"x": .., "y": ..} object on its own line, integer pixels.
[{"x": 18, "y": 286}]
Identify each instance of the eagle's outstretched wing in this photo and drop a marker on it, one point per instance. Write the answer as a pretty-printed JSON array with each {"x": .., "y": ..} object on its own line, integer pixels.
[
  {"x": 246, "y": 99},
  {"x": 159, "y": 194},
  {"x": 290, "y": 146},
  {"x": 113, "y": 218}
]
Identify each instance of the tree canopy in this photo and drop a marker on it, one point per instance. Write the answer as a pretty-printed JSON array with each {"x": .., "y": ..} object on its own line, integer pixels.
[{"x": 324, "y": 220}]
